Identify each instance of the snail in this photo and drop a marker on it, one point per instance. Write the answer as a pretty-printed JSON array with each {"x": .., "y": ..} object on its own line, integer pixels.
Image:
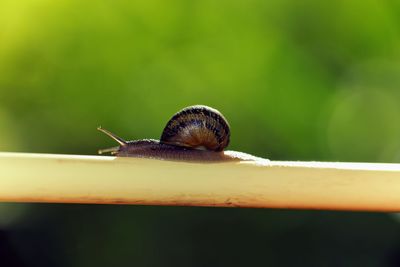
[{"x": 196, "y": 133}]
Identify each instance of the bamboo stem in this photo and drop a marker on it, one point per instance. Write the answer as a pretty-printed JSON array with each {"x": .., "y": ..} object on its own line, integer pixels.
[{"x": 110, "y": 180}]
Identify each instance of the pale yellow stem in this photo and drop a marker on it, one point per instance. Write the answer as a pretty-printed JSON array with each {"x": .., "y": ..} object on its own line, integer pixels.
[{"x": 111, "y": 180}]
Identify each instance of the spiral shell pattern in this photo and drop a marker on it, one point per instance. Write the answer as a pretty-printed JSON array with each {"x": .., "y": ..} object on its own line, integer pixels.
[{"x": 197, "y": 127}]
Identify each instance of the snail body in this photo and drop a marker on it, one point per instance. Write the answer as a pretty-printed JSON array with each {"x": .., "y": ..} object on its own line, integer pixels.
[{"x": 195, "y": 133}]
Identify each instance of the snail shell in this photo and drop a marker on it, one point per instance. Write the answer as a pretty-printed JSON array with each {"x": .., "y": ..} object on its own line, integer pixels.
[
  {"x": 195, "y": 133},
  {"x": 197, "y": 127}
]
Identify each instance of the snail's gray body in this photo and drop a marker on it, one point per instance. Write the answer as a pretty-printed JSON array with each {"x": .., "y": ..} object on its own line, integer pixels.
[
  {"x": 196, "y": 133},
  {"x": 150, "y": 148}
]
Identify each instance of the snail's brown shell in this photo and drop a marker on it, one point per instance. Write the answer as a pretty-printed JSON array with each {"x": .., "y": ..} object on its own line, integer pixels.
[{"x": 197, "y": 127}]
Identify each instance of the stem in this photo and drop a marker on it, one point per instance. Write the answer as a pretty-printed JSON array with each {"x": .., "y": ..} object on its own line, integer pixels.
[{"x": 114, "y": 180}]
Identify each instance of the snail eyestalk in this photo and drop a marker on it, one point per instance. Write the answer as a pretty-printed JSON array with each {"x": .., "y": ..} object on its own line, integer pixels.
[
  {"x": 113, "y": 150},
  {"x": 120, "y": 141}
]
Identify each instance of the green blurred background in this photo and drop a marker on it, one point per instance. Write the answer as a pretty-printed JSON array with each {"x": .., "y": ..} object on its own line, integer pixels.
[{"x": 297, "y": 80}]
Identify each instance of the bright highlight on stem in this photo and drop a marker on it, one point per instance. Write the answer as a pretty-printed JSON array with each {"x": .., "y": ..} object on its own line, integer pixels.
[{"x": 111, "y": 180}]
